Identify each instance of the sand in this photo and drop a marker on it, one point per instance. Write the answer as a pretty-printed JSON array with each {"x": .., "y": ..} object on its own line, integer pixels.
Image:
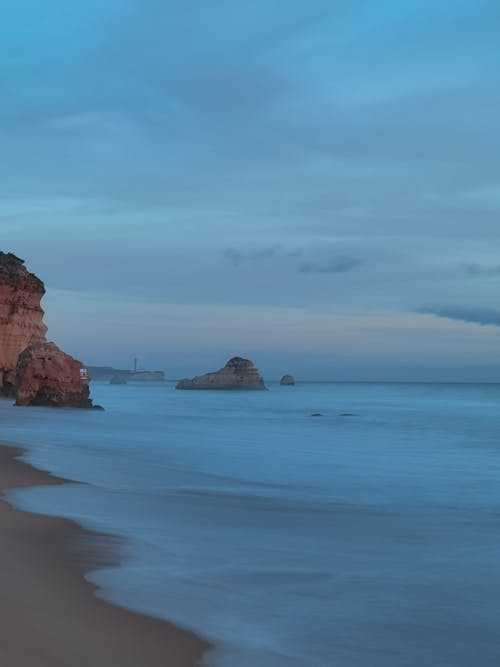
[{"x": 49, "y": 615}]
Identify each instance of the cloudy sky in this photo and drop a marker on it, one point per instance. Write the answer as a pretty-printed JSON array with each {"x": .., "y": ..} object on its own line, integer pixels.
[{"x": 315, "y": 185}]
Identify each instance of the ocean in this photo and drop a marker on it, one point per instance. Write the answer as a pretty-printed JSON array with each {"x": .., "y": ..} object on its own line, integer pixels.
[{"x": 368, "y": 536}]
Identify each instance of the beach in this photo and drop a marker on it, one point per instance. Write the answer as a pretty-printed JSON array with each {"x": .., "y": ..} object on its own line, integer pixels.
[
  {"x": 285, "y": 540},
  {"x": 50, "y": 616}
]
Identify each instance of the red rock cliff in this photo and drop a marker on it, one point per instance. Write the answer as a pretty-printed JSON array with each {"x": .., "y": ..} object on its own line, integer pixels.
[
  {"x": 21, "y": 316},
  {"x": 32, "y": 370}
]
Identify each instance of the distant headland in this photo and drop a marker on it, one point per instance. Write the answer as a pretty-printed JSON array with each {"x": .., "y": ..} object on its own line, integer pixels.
[{"x": 123, "y": 376}]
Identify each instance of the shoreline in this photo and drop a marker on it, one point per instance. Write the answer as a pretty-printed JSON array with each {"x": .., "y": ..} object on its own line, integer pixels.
[{"x": 49, "y": 615}]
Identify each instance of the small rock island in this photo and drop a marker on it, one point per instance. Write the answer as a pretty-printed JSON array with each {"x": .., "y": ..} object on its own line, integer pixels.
[
  {"x": 238, "y": 373},
  {"x": 32, "y": 370},
  {"x": 287, "y": 380}
]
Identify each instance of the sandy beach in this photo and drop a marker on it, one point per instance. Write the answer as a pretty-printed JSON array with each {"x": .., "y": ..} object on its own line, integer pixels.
[{"x": 49, "y": 615}]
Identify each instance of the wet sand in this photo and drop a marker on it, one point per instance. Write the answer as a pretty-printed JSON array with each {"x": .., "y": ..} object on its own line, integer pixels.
[{"x": 49, "y": 615}]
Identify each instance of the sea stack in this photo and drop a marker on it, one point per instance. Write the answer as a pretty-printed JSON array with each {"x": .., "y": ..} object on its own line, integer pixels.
[
  {"x": 32, "y": 370},
  {"x": 45, "y": 375},
  {"x": 238, "y": 373},
  {"x": 287, "y": 380}
]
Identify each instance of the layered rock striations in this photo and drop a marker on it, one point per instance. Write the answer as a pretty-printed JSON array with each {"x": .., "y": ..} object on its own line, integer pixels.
[
  {"x": 45, "y": 375},
  {"x": 21, "y": 317},
  {"x": 238, "y": 373},
  {"x": 32, "y": 370}
]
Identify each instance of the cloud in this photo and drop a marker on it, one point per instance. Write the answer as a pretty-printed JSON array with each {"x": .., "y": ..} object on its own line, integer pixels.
[
  {"x": 336, "y": 264},
  {"x": 238, "y": 256},
  {"x": 473, "y": 314},
  {"x": 339, "y": 264},
  {"x": 475, "y": 269}
]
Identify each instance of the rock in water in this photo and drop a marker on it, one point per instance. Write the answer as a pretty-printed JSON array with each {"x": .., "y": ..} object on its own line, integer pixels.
[
  {"x": 238, "y": 373},
  {"x": 21, "y": 317},
  {"x": 32, "y": 370},
  {"x": 287, "y": 380},
  {"x": 45, "y": 375}
]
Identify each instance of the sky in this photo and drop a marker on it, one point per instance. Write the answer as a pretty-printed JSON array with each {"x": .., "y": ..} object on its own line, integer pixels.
[{"x": 314, "y": 185}]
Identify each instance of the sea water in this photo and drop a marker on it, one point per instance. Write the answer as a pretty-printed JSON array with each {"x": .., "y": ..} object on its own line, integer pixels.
[{"x": 366, "y": 536}]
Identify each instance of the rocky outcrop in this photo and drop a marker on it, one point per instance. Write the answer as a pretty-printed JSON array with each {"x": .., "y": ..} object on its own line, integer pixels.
[
  {"x": 32, "y": 370},
  {"x": 21, "y": 316},
  {"x": 287, "y": 380},
  {"x": 118, "y": 379},
  {"x": 238, "y": 373},
  {"x": 45, "y": 375}
]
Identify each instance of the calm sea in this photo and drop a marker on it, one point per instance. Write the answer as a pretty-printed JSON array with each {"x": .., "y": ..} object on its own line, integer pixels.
[{"x": 363, "y": 540}]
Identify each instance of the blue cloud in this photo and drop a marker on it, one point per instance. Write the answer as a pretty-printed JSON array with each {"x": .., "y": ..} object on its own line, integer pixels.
[
  {"x": 339, "y": 264},
  {"x": 251, "y": 255},
  {"x": 473, "y": 314},
  {"x": 476, "y": 269}
]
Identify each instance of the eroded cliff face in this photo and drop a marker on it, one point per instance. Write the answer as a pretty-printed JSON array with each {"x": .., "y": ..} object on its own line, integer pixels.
[
  {"x": 21, "y": 317},
  {"x": 32, "y": 370}
]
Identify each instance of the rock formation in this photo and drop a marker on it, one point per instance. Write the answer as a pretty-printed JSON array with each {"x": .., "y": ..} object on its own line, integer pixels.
[
  {"x": 238, "y": 373},
  {"x": 118, "y": 379},
  {"x": 45, "y": 375},
  {"x": 32, "y": 370},
  {"x": 21, "y": 316},
  {"x": 287, "y": 380}
]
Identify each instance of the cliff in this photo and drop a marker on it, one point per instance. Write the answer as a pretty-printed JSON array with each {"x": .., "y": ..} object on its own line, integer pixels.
[
  {"x": 287, "y": 380},
  {"x": 32, "y": 370},
  {"x": 21, "y": 316},
  {"x": 238, "y": 373}
]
